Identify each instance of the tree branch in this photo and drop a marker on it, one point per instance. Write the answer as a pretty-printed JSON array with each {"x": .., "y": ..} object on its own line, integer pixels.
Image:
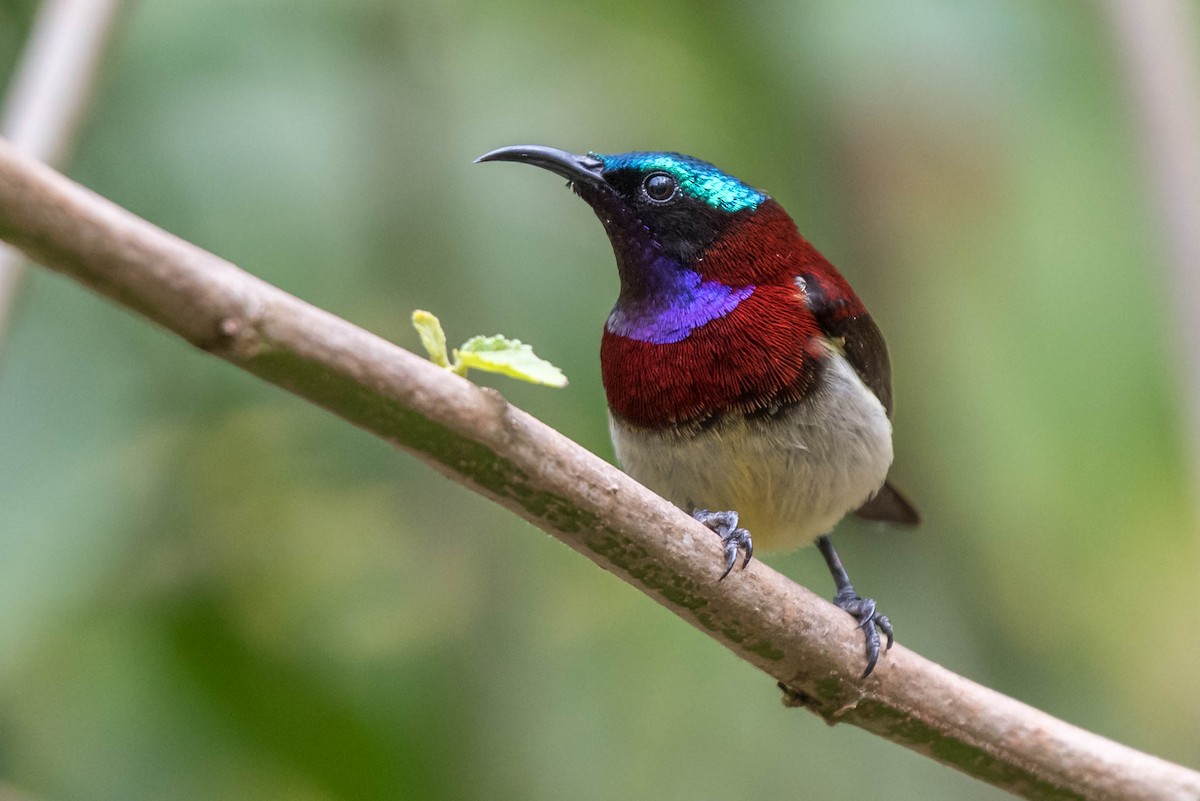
[
  {"x": 475, "y": 437},
  {"x": 1156, "y": 43},
  {"x": 49, "y": 95}
]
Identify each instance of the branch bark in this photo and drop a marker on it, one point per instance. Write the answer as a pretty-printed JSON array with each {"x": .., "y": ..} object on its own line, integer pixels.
[
  {"x": 473, "y": 436},
  {"x": 49, "y": 96},
  {"x": 1157, "y": 45}
]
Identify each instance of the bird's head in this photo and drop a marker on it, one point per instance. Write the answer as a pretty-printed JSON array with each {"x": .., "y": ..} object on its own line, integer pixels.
[
  {"x": 715, "y": 278},
  {"x": 673, "y": 220}
]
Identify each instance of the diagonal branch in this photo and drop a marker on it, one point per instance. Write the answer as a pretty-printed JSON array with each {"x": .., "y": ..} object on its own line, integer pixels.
[
  {"x": 475, "y": 437},
  {"x": 1157, "y": 45},
  {"x": 49, "y": 96}
]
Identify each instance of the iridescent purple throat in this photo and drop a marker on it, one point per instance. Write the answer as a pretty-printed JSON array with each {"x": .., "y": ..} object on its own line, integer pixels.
[{"x": 670, "y": 314}]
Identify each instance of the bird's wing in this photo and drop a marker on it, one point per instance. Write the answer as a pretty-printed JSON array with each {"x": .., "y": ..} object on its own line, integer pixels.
[
  {"x": 864, "y": 348},
  {"x": 845, "y": 322}
]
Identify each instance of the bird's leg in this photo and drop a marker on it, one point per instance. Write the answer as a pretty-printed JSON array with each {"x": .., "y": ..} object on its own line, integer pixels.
[
  {"x": 863, "y": 609},
  {"x": 733, "y": 539}
]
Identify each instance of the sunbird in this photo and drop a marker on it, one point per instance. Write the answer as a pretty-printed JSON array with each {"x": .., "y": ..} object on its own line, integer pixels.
[{"x": 746, "y": 382}]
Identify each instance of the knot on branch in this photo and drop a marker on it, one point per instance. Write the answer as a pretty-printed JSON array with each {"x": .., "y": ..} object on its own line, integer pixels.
[
  {"x": 830, "y": 698},
  {"x": 500, "y": 416},
  {"x": 235, "y": 339},
  {"x": 793, "y": 698}
]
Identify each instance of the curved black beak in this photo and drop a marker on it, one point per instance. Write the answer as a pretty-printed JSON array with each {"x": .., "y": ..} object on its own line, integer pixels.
[{"x": 571, "y": 166}]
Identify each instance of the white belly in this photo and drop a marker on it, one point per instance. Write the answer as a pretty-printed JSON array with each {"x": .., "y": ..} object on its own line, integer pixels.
[{"x": 791, "y": 477}]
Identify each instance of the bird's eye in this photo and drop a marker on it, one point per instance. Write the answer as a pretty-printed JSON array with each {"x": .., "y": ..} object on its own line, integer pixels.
[{"x": 660, "y": 187}]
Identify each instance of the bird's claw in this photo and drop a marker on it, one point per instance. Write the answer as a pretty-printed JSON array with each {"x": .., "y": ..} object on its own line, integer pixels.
[
  {"x": 732, "y": 543},
  {"x": 869, "y": 620},
  {"x": 733, "y": 539}
]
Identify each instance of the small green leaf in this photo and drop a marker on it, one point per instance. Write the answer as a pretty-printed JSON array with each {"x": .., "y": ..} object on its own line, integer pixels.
[
  {"x": 432, "y": 336},
  {"x": 508, "y": 357},
  {"x": 492, "y": 354}
]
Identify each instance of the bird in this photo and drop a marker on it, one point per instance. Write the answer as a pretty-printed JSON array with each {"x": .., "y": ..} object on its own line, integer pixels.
[{"x": 746, "y": 381}]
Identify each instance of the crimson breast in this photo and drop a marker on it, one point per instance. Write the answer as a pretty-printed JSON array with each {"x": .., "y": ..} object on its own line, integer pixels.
[{"x": 760, "y": 355}]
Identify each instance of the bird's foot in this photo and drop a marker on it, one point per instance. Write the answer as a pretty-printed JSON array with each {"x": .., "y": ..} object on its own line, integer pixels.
[
  {"x": 869, "y": 620},
  {"x": 733, "y": 539}
]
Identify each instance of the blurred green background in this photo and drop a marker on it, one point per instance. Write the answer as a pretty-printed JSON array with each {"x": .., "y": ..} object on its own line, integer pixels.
[{"x": 209, "y": 589}]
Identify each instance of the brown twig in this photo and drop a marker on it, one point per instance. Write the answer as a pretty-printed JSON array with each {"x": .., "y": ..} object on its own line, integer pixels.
[
  {"x": 1157, "y": 43},
  {"x": 49, "y": 95},
  {"x": 476, "y": 438}
]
